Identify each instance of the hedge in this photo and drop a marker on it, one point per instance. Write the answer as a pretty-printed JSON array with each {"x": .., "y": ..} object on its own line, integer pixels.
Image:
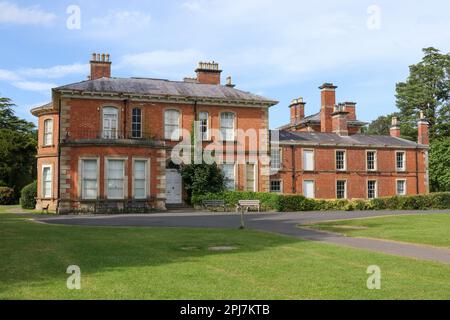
[
  {"x": 286, "y": 203},
  {"x": 6, "y": 196},
  {"x": 28, "y": 196}
]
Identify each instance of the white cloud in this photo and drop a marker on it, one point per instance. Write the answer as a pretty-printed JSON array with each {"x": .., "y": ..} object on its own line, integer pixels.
[
  {"x": 6, "y": 75},
  {"x": 54, "y": 72},
  {"x": 165, "y": 62},
  {"x": 11, "y": 13},
  {"x": 34, "y": 85},
  {"x": 123, "y": 19}
]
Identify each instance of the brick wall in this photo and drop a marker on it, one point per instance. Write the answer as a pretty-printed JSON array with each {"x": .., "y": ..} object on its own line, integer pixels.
[{"x": 325, "y": 174}]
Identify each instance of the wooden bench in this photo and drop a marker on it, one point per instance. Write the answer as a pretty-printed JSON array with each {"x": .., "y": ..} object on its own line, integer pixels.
[
  {"x": 214, "y": 204},
  {"x": 246, "y": 204}
]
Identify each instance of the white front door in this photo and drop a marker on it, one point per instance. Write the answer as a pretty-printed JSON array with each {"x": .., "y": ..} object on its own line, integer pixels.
[
  {"x": 308, "y": 189},
  {"x": 173, "y": 186}
]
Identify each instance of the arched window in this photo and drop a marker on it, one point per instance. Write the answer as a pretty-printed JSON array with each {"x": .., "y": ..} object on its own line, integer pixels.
[
  {"x": 136, "y": 123},
  {"x": 227, "y": 126},
  {"x": 110, "y": 120},
  {"x": 48, "y": 132},
  {"x": 172, "y": 124},
  {"x": 204, "y": 125}
]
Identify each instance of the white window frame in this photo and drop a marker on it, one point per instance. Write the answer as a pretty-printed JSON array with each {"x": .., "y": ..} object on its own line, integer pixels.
[
  {"x": 255, "y": 176},
  {"x": 81, "y": 178},
  {"x": 304, "y": 152},
  {"x": 133, "y": 122},
  {"x": 44, "y": 196},
  {"x": 111, "y": 132},
  {"x": 405, "y": 192},
  {"x": 234, "y": 174},
  {"x": 345, "y": 188},
  {"x": 48, "y": 134},
  {"x": 345, "y": 159},
  {"x": 314, "y": 188},
  {"x": 106, "y": 178},
  {"x": 376, "y": 189},
  {"x": 146, "y": 178},
  {"x": 172, "y": 131},
  {"x": 280, "y": 159},
  {"x": 375, "y": 160},
  {"x": 221, "y": 128},
  {"x": 281, "y": 185},
  {"x": 207, "y": 136},
  {"x": 404, "y": 161}
]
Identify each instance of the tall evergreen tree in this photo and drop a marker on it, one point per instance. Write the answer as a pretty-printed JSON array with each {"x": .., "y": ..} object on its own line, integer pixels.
[
  {"x": 427, "y": 89},
  {"x": 17, "y": 148}
]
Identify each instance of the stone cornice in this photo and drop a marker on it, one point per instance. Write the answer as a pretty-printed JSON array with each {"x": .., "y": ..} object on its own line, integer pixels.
[{"x": 165, "y": 99}]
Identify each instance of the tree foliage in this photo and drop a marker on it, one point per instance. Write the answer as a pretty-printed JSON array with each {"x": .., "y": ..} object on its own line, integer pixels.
[
  {"x": 202, "y": 178},
  {"x": 427, "y": 89},
  {"x": 17, "y": 149},
  {"x": 440, "y": 165},
  {"x": 382, "y": 125}
]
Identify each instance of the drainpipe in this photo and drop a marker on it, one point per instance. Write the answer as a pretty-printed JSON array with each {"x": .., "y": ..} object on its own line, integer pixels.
[{"x": 293, "y": 169}]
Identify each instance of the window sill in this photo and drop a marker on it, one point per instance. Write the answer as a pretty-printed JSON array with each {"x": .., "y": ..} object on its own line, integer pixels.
[{"x": 48, "y": 146}]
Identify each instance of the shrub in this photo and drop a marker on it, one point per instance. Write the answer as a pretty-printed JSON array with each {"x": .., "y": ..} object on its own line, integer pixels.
[
  {"x": 295, "y": 203},
  {"x": 28, "y": 196},
  {"x": 6, "y": 196},
  {"x": 285, "y": 203}
]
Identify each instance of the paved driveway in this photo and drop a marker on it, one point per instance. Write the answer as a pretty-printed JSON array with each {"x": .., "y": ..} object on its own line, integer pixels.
[{"x": 282, "y": 223}]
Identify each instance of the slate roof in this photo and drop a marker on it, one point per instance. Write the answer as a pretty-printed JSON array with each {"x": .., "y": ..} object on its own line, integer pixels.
[
  {"x": 315, "y": 118},
  {"x": 322, "y": 138},
  {"x": 161, "y": 87}
]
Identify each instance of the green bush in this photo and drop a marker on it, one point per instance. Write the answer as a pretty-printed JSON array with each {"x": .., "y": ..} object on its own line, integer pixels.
[
  {"x": 6, "y": 196},
  {"x": 269, "y": 201},
  {"x": 28, "y": 196},
  {"x": 295, "y": 203},
  {"x": 287, "y": 203}
]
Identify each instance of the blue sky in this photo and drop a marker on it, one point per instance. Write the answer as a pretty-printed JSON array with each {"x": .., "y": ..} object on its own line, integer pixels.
[{"x": 282, "y": 49}]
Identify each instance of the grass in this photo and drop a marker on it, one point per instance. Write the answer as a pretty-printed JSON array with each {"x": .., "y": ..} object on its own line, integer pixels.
[
  {"x": 430, "y": 229},
  {"x": 176, "y": 263}
]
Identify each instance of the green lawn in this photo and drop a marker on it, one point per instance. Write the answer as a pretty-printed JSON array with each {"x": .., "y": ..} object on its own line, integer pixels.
[
  {"x": 169, "y": 263},
  {"x": 432, "y": 229}
]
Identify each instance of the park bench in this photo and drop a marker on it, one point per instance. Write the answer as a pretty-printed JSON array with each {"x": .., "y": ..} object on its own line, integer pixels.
[
  {"x": 214, "y": 204},
  {"x": 246, "y": 204}
]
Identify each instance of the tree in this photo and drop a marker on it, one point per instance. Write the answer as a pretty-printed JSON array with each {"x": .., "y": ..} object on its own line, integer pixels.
[
  {"x": 202, "y": 178},
  {"x": 17, "y": 149},
  {"x": 427, "y": 89},
  {"x": 440, "y": 165},
  {"x": 382, "y": 125}
]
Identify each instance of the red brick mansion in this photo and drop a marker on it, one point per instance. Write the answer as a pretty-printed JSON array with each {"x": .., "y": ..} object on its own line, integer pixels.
[{"x": 106, "y": 143}]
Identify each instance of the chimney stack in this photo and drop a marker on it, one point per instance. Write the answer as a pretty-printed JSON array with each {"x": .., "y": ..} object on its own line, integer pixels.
[
  {"x": 297, "y": 108},
  {"x": 100, "y": 66},
  {"x": 328, "y": 101},
  {"x": 350, "y": 107},
  {"x": 339, "y": 120},
  {"x": 395, "y": 128},
  {"x": 422, "y": 126},
  {"x": 208, "y": 73}
]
